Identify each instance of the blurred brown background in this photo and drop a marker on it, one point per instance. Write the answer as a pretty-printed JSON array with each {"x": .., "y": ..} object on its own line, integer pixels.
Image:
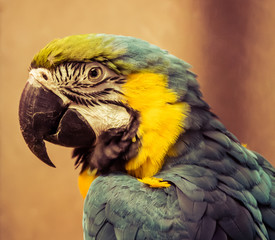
[{"x": 231, "y": 45}]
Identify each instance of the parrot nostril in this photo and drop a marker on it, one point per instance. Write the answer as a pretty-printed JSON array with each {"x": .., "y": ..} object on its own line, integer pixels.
[{"x": 45, "y": 76}]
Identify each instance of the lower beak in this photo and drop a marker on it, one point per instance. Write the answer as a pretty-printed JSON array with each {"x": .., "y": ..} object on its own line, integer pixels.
[{"x": 43, "y": 115}]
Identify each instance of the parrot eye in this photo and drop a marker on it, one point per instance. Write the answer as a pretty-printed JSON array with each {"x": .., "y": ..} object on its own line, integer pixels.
[
  {"x": 95, "y": 73},
  {"x": 45, "y": 76}
]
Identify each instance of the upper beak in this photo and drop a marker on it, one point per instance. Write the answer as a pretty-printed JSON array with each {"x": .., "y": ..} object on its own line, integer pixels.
[{"x": 43, "y": 115}]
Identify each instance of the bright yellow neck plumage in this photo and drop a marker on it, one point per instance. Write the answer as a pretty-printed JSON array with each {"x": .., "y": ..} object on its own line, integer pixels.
[{"x": 161, "y": 122}]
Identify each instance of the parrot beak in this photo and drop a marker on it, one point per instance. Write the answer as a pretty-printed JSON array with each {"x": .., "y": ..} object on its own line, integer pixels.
[{"x": 43, "y": 115}]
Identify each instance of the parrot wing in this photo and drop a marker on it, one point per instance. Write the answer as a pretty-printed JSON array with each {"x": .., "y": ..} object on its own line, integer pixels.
[
  {"x": 120, "y": 207},
  {"x": 219, "y": 190}
]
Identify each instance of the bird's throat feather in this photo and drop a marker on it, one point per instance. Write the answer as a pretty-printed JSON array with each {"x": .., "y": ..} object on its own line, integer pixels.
[{"x": 161, "y": 120}]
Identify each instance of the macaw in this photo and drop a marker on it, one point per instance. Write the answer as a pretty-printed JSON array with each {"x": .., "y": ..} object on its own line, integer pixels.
[{"x": 156, "y": 163}]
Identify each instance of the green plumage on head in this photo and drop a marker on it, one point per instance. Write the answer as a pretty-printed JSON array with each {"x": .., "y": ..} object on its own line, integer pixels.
[
  {"x": 124, "y": 55},
  {"x": 83, "y": 48}
]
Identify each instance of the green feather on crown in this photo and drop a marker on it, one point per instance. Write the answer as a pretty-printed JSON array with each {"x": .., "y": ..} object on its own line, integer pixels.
[{"x": 83, "y": 48}]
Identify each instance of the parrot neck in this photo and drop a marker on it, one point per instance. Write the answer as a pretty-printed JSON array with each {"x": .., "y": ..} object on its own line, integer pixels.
[{"x": 162, "y": 120}]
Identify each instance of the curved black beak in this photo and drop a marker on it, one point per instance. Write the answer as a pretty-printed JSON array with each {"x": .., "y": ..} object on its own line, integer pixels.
[{"x": 45, "y": 116}]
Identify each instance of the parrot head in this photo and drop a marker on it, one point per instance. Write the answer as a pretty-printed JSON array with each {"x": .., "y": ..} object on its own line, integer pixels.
[{"x": 120, "y": 102}]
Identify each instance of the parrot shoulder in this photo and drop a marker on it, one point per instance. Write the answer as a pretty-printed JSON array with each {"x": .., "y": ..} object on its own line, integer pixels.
[{"x": 124, "y": 208}]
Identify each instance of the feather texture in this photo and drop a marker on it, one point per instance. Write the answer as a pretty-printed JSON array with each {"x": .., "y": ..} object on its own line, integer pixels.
[
  {"x": 213, "y": 196},
  {"x": 218, "y": 188}
]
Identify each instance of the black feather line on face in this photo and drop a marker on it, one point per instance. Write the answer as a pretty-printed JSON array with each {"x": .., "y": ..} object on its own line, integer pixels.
[
  {"x": 60, "y": 72},
  {"x": 73, "y": 64},
  {"x": 120, "y": 81},
  {"x": 55, "y": 74},
  {"x": 99, "y": 83},
  {"x": 67, "y": 71},
  {"x": 78, "y": 75},
  {"x": 90, "y": 99},
  {"x": 83, "y": 68},
  {"x": 78, "y": 99},
  {"x": 76, "y": 66}
]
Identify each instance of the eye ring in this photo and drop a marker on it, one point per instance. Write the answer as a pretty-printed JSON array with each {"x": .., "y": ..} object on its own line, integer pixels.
[{"x": 95, "y": 73}]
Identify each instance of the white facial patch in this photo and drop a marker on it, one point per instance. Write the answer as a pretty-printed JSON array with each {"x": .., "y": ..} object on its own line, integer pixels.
[
  {"x": 42, "y": 76},
  {"x": 76, "y": 89},
  {"x": 103, "y": 117}
]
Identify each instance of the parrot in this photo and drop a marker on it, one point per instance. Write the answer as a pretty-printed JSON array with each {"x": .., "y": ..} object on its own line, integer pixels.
[{"x": 155, "y": 161}]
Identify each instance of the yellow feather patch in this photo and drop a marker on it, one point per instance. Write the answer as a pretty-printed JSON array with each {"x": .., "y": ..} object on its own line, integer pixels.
[
  {"x": 162, "y": 119},
  {"x": 244, "y": 145},
  {"x": 85, "y": 179},
  {"x": 154, "y": 182}
]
